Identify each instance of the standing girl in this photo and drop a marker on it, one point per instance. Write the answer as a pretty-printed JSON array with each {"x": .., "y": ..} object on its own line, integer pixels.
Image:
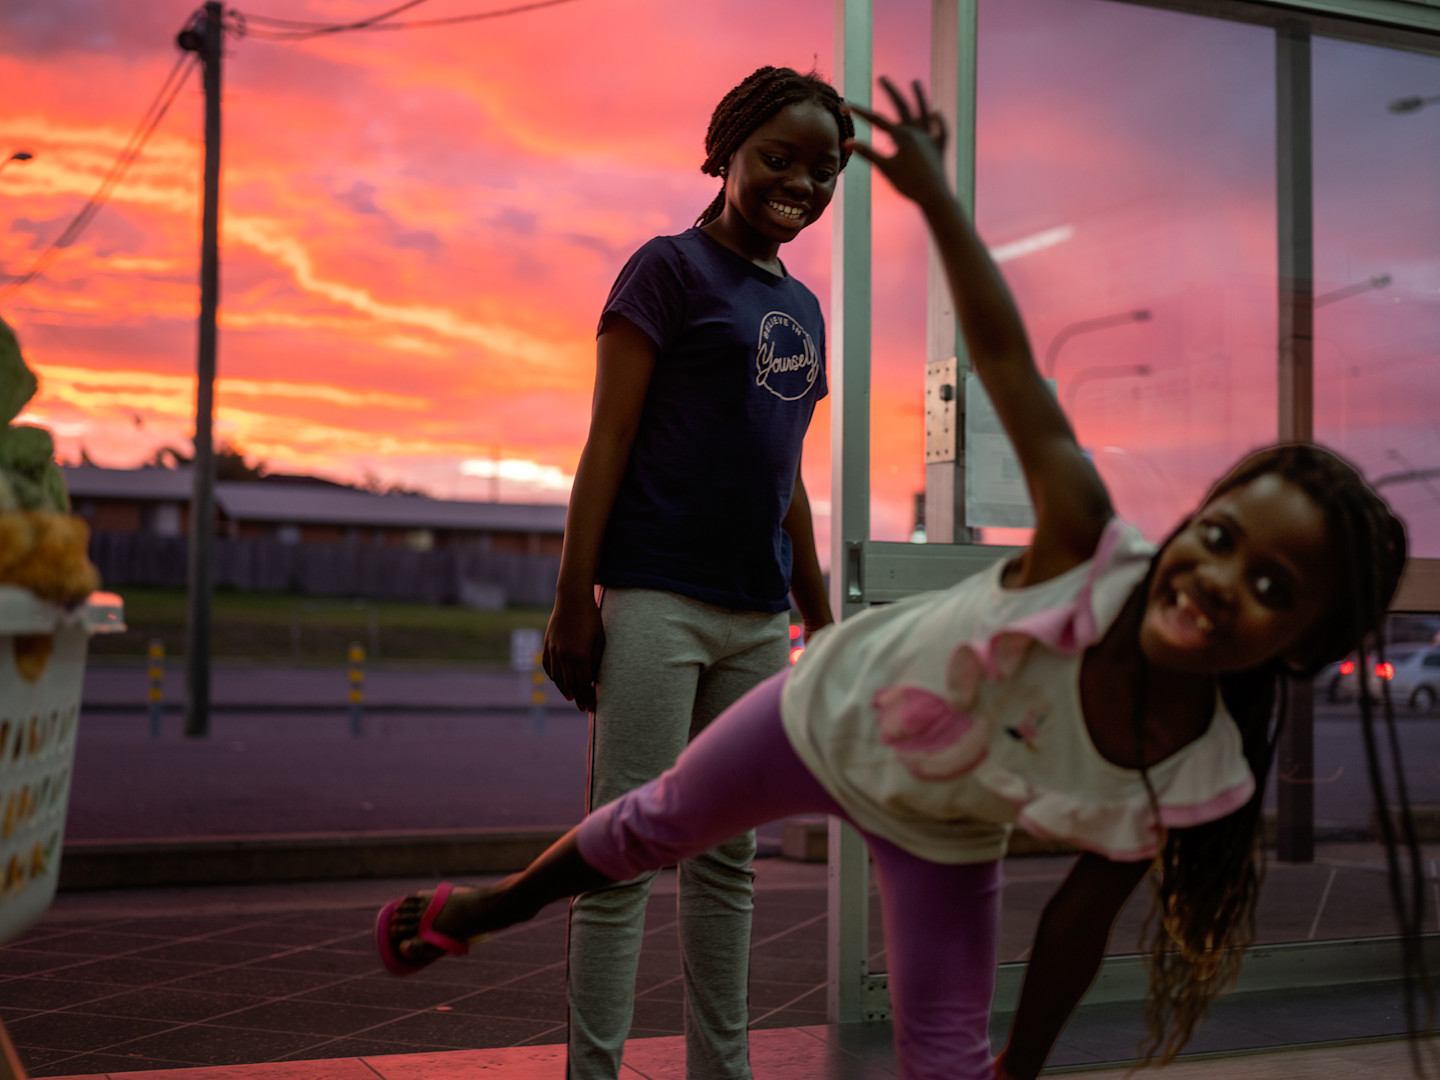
[
  {"x": 1093, "y": 689},
  {"x": 688, "y": 529}
]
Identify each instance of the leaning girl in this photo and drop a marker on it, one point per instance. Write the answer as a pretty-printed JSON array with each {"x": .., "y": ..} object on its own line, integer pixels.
[{"x": 1093, "y": 689}]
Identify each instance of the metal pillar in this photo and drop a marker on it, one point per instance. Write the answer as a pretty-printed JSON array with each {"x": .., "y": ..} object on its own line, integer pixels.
[
  {"x": 849, "y": 874},
  {"x": 952, "y": 93},
  {"x": 205, "y": 36},
  {"x": 1295, "y": 757}
]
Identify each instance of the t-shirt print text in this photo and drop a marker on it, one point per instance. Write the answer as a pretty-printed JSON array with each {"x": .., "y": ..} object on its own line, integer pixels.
[{"x": 786, "y": 360}]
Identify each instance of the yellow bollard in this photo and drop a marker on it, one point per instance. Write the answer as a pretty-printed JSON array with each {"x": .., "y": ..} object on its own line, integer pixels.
[
  {"x": 357, "y": 689},
  {"x": 157, "y": 685}
]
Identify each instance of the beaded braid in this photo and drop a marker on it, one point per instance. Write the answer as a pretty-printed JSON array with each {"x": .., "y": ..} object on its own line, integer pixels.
[
  {"x": 762, "y": 94},
  {"x": 1208, "y": 880}
]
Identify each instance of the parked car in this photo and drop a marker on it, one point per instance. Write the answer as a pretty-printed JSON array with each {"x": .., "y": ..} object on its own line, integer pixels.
[
  {"x": 1328, "y": 682},
  {"x": 1417, "y": 679},
  {"x": 1413, "y": 672}
]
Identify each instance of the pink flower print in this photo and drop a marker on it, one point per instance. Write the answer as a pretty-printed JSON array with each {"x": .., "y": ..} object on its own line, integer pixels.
[
  {"x": 933, "y": 739},
  {"x": 1027, "y": 730},
  {"x": 963, "y": 675}
]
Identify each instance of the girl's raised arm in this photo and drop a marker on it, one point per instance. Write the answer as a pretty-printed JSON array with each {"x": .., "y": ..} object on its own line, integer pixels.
[{"x": 1071, "y": 503}]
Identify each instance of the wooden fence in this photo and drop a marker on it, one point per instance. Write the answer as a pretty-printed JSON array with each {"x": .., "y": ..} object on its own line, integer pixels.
[{"x": 442, "y": 576}]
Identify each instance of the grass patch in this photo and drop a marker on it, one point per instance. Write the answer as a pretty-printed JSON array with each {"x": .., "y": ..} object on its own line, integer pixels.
[{"x": 275, "y": 627}]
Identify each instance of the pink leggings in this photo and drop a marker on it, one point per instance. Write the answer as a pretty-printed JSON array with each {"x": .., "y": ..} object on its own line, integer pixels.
[{"x": 940, "y": 919}]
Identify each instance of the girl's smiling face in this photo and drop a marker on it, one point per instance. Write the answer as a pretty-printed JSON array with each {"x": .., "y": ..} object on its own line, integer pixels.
[
  {"x": 1247, "y": 580},
  {"x": 782, "y": 177}
]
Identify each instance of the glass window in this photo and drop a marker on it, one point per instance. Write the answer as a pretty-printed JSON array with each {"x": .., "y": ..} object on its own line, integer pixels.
[
  {"x": 1126, "y": 183},
  {"x": 1377, "y": 272}
]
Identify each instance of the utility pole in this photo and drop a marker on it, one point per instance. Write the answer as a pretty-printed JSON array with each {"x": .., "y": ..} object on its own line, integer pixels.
[{"x": 204, "y": 35}]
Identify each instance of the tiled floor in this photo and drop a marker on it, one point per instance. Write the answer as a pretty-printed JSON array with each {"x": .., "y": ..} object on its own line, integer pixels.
[
  {"x": 94, "y": 991},
  {"x": 111, "y": 983}
]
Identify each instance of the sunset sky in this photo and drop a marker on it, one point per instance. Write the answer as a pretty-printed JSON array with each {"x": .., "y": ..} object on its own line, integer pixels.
[{"x": 419, "y": 227}]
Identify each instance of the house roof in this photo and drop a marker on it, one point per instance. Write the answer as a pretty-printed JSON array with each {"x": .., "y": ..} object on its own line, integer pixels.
[
  {"x": 91, "y": 482},
  {"x": 319, "y": 504},
  {"x": 298, "y": 505}
]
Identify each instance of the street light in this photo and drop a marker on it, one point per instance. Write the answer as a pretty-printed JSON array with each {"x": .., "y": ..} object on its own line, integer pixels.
[
  {"x": 1104, "y": 371},
  {"x": 1411, "y": 104},
  {"x": 1379, "y": 281},
  {"x": 18, "y": 155},
  {"x": 1085, "y": 326}
]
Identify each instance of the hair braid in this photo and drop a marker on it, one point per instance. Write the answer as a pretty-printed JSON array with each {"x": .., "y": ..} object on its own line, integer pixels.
[
  {"x": 1203, "y": 917},
  {"x": 758, "y": 97}
]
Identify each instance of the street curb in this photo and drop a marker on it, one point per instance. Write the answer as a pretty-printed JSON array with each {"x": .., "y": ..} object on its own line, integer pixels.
[
  {"x": 224, "y": 860},
  {"x": 175, "y": 708}
]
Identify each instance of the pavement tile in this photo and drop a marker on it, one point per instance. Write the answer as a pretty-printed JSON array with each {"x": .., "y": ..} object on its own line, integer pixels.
[
  {"x": 511, "y": 1002},
  {"x": 791, "y": 1018},
  {"x": 285, "y": 932},
  {"x": 164, "y": 1003},
  {"x": 527, "y": 1063},
  {"x": 351, "y": 1048},
  {"x": 43, "y": 994},
  {"x": 312, "y": 1017},
  {"x": 457, "y": 1030},
  {"x": 657, "y": 1015},
  {"x": 210, "y": 951},
  {"x": 14, "y": 961},
  {"x": 134, "y": 970},
  {"x": 387, "y": 993},
  {"x": 208, "y": 1044},
  {"x": 173, "y": 927},
  {"x": 100, "y": 1066},
  {"x": 322, "y": 961},
  {"x": 329, "y": 923},
  {"x": 549, "y": 979},
  {"x": 91, "y": 943},
  {"x": 872, "y": 1044},
  {"x": 253, "y": 981},
  {"x": 338, "y": 1069},
  {"x": 74, "y": 1032},
  {"x": 35, "y": 1058}
]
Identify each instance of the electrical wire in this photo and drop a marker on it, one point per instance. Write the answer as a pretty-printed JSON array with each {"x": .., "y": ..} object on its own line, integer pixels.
[
  {"x": 301, "y": 29},
  {"x": 156, "y": 111},
  {"x": 267, "y": 34}
]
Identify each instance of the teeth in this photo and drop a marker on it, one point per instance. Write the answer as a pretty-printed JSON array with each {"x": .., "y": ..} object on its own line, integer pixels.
[
  {"x": 1202, "y": 621},
  {"x": 783, "y": 210}
]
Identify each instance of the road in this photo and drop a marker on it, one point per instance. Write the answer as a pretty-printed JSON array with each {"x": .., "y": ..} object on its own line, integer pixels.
[{"x": 271, "y": 771}]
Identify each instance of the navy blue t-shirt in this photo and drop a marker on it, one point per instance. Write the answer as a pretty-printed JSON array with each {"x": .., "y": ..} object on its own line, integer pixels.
[{"x": 740, "y": 365}]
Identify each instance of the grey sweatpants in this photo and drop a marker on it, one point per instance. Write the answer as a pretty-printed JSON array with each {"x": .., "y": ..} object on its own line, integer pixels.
[{"x": 671, "y": 665}]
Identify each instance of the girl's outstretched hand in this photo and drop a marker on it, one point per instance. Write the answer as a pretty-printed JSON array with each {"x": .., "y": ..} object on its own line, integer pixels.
[{"x": 916, "y": 169}]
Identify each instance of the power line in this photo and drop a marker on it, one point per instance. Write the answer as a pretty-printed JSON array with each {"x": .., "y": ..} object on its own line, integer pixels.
[
  {"x": 264, "y": 32},
  {"x": 296, "y": 29},
  {"x": 156, "y": 111}
]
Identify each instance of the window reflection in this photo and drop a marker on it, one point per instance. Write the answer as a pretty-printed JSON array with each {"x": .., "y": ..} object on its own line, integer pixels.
[
  {"x": 1126, "y": 182},
  {"x": 1377, "y": 273}
]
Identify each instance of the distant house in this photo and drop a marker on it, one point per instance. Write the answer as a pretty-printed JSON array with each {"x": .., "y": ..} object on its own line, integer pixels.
[{"x": 302, "y": 510}]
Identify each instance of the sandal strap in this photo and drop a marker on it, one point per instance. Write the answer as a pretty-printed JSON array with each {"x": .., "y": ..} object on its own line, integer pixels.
[{"x": 428, "y": 933}]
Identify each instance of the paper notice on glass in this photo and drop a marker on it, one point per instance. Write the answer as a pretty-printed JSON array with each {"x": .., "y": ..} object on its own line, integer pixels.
[{"x": 995, "y": 492}]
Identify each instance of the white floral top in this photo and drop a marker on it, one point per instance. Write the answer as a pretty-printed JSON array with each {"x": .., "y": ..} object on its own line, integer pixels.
[{"x": 941, "y": 748}]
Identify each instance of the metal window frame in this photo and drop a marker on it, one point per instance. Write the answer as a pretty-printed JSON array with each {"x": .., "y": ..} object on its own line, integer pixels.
[{"x": 866, "y": 571}]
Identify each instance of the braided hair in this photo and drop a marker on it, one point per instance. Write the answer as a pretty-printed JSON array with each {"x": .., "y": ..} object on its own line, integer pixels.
[
  {"x": 1203, "y": 915},
  {"x": 763, "y": 93}
]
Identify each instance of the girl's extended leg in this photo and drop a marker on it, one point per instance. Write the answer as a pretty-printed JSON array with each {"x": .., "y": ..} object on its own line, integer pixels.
[
  {"x": 740, "y": 772},
  {"x": 940, "y": 940}
]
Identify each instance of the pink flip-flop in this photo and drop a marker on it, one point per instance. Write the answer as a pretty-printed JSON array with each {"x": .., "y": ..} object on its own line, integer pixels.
[{"x": 388, "y": 946}]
